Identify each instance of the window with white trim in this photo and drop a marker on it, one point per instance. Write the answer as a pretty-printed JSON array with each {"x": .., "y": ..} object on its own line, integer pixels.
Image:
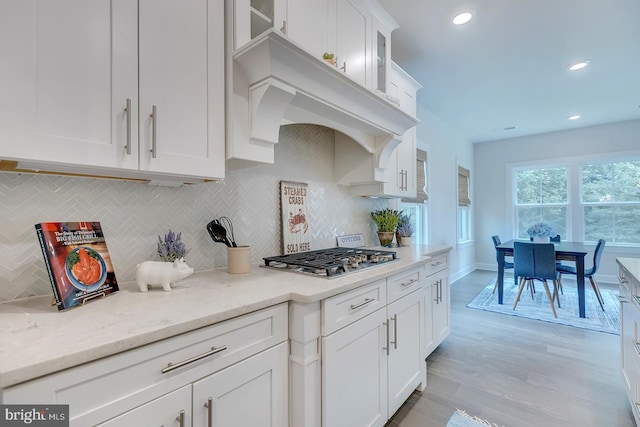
[
  {"x": 541, "y": 195},
  {"x": 464, "y": 205},
  {"x": 610, "y": 195},
  {"x": 584, "y": 200}
]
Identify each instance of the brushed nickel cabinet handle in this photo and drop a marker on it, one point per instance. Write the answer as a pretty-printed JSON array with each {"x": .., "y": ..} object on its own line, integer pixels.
[
  {"x": 437, "y": 298},
  {"x": 386, "y": 324},
  {"x": 622, "y": 279},
  {"x": 440, "y": 284},
  {"x": 283, "y": 29},
  {"x": 127, "y": 110},
  {"x": 209, "y": 406},
  {"x": 362, "y": 304},
  {"x": 344, "y": 67},
  {"x": 623, "y": 300},
  {"x": 170, "y": 366},
  {"x": 410, "y": 282},
  {"x": 154, "y": 122},
  {"x": 395, "y": 331},
  {"x": 180, "y": 418}
]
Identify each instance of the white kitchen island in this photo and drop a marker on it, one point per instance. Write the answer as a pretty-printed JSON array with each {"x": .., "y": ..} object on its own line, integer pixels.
[{"x": 276, "y": 321}]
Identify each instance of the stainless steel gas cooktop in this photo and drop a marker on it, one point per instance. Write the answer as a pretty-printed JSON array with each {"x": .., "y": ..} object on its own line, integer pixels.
[{"x": 330, "y": 263}]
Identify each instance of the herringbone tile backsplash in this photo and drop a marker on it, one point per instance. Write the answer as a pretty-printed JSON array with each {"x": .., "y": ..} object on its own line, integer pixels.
[{"x": 134, "y": 214}]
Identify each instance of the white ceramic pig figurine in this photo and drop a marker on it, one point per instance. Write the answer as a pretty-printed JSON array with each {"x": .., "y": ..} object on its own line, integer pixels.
[{"x": 161, "y": 273}]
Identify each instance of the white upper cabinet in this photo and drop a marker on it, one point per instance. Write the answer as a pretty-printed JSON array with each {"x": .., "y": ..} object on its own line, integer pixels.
[
  {"x": 351, "y": 41},
  {"x": 181, "y": 79},
  {"x": 80, "y": 79},
  {"x": 68, "y": 68},
  {"x": 305, "y": 22}
]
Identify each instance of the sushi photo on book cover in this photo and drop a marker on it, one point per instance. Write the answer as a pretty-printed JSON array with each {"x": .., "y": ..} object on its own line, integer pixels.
[{"x": 78, "y": 261}]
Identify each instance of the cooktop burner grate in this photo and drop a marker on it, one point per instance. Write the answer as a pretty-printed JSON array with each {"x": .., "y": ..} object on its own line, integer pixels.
[{"x": 330, "y": 262}]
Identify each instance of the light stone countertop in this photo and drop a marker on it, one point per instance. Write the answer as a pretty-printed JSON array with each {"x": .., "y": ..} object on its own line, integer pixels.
[
  {"x": 37, "y": 339},
  {"x": 631, "y": 265}
]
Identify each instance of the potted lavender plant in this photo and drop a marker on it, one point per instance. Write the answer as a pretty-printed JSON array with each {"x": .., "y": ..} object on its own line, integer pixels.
[
  {"x": 171, "y": 248},
  {"x": 404, "y": 231}
]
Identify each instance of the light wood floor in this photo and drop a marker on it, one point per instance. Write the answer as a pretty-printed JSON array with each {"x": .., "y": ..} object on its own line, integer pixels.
[{"x": 518, "y": 372}]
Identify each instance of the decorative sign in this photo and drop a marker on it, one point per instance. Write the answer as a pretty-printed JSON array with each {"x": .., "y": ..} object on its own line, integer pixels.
[
  {"x": 350, "y": 241},
  {"x": 293, "y": 199}
]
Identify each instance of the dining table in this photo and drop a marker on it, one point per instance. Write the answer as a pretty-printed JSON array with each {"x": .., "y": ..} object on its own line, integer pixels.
[{"x": 565, "y": 251}]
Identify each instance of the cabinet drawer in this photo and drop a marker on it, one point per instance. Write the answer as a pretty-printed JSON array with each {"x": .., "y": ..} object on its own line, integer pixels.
[
  {"x": 343, "y": 309},
  {"x": 403, "y": 284},
  {"x": 99, "y": 390},
  {"x": 437, "y": 263}
]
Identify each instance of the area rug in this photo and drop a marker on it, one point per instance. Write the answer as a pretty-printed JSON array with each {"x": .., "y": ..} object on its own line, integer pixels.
[
  {"x": 461, "y": 419},
  {"x": 539, "y": 309}
]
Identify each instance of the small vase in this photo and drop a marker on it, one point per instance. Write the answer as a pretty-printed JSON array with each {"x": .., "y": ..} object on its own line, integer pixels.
[
  {"x": 385, "y": 237},
  {"x": 538, "y": 239},
  {"x": 407, "y": 241}
]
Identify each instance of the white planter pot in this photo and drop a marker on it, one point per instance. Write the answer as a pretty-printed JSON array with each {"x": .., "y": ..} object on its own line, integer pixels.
[
  {"x": 407, "y": 241},
  {"x": 537, "y": 239}
]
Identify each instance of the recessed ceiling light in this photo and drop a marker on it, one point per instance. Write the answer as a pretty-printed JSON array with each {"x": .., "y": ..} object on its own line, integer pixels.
[
  {"x": 574, "y": 117},
  {"x": 579, "y": 65},
  {"x": 462, "y": 18}
]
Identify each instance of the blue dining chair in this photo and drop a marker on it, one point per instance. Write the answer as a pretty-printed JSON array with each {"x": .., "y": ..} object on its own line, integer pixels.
[
  {"x": 590, "y": 272},
  {"x": 536, "y": 261},
  {"x": 507, "y": 264}
]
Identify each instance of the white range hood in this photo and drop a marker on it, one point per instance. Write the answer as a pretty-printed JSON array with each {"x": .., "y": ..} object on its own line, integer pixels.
[{"x": 276, "y": 82}]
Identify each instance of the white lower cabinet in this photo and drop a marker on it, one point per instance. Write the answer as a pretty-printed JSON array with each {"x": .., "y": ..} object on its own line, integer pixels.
[
  {"x": 405, "y": 363},
  {"x": 172, "y": 409},
  {"x": 437, "y": 321},
  {"x": 371, "y": 366},
  {"x": 354, "y": 374},
  {"x": 250, "y": 393},
  {"x": 240, "y": 364},
  {"x": 630, "y": 337}
]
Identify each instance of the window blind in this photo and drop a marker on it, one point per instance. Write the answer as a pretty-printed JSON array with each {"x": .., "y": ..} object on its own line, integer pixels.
[
  {"x": 421, "y": 179},
  {"x": 463, "y": 187}
]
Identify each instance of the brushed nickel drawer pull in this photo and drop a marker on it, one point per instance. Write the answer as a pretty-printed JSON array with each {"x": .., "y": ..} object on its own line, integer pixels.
[
  {"x": 127, "y": 110},
  {"x": 170, "y": 366},
  {"x": 154, "y": 128},
  {"x": 180, "y": 418},
  {"x": 362, "y": 304},
  {"x": 623, "y": 300},
  {"x": 622, "y": 279},
  {"x": 410, "y": 282}
]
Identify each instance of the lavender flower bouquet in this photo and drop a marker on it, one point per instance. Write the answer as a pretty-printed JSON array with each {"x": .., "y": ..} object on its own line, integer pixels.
[{"x": 171, "y": 248}]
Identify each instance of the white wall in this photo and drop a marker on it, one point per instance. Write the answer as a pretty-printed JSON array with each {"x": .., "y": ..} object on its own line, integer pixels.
[
  {"x": 446, "y": 150},
  {"x": 492, "y": 202}
]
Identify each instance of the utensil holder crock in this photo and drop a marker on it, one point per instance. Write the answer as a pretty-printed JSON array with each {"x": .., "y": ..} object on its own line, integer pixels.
[{"x": 239, "y": 259}]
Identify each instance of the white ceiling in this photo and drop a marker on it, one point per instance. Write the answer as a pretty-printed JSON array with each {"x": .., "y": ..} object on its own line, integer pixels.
[{"x": 508, "y": 66}]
